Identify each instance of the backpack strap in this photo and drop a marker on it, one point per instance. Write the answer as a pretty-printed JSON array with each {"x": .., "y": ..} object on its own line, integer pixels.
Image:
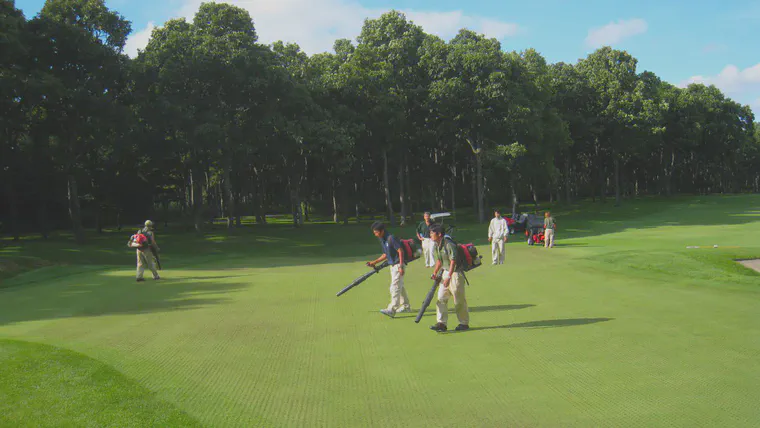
[{"x": 408, "y": 248}]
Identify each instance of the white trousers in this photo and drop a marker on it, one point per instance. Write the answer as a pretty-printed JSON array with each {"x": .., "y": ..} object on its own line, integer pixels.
[
  {"x": 427, "y": 252},
  {"x": 399, "y": 299},
  {"x": 455, "y": 290},
  {"x": 497, "y": 251}
]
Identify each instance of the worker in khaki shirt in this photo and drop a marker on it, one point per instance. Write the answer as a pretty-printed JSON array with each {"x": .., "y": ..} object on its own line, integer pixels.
[
  {"x": 452, "y": 283},
  {"x": 498, "y": 233},
  {"x": 144, "y": 255},
  {"x": 549, "y": 225}
]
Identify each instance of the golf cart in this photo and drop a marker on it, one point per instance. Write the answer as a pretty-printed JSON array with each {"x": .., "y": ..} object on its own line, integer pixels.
[
  {"x": 516, "y": 223},
  {"x": 534, "y": 229},
  {"x": 447, "y": 229}
]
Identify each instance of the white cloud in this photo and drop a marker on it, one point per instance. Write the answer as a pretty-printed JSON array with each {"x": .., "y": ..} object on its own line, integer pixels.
[
  {"x": 138, "y": 40},
  {"x": 615, "y": 32},
  {"x": 730, "y": 80},
  {"x": 316, "y": 24},
  {"x": 498, "y": 29}
]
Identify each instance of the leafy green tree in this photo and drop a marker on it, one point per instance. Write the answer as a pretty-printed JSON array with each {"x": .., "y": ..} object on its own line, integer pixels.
[
  {"x": 612, "y": 75},
  {"x": 80, "y": 44}
]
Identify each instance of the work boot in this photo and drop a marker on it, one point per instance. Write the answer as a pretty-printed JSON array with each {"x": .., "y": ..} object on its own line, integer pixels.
[
  {"x": 439, "y": 327},
  {"x": 462, "y": 327}
]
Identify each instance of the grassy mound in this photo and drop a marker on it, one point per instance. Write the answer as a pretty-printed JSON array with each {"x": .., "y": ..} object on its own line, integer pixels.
[{"x": 45, "y": 386}]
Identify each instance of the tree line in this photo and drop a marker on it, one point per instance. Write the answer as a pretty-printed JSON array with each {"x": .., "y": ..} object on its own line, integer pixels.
[{"x": 206, "y": 122}]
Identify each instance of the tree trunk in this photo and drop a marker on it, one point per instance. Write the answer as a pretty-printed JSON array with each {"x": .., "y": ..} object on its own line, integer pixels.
[
  {"x": 42, "y": 218},
  {"x": 481, "y": 195},
  {"x": 13, "y": 209},
  {"x": 386, "y": 184},
  {"x": 617, "y": 181},
  {"x": 239, "y": 208},
  {"x": 258, "y": 198},
  {"x": 196, "y": 199},
  {"x": 295, "y": 202},
  {"x": 98, "y": 217},
  {"x": 453, "y": 187},
  {"x": 345, "y": 207},
  {"x": 402, "y": 196},
  {"x": 473, "y": 176},
  {"x": 228, "y": 195},
  {"x": 407, "y": 182},
  {"x": 515, "y": 202},
  {"x": 568, "y": 196},
  {"x": 356, "y": 201},
  {"x": 335, "y": 202},
  {"x": 165, "y": 203},
  {"x": 75, "y": 213},
  {"x": 209, "y": 190},
  {"x": 261, "y": 211},
  {"x": 669, "y": 174}
]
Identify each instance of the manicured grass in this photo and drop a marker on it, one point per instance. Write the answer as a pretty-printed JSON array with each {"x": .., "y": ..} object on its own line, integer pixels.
[
  {"x": 47, "y": 386},
  {"x": 619, "y": 325}
]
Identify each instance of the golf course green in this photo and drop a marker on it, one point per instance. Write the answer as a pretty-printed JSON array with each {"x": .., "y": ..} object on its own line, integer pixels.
[{"x": 619, "y": 325}]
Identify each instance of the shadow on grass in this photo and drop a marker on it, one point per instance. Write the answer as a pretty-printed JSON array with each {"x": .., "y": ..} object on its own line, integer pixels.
[
  {"x": 572, "y": 244},
  {"x": 547, "y": 323},
  {"x": 101, "y": 294},
  {"x": 495, "y": 308}
]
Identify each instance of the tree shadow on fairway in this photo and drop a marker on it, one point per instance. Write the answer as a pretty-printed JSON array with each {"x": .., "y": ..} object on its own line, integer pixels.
[
  {"x": 547, "y": 323},
  {"x": 100, "y": 294},
  {"x": 494, "y": 308},
  {"x": 571, "y": 244}
]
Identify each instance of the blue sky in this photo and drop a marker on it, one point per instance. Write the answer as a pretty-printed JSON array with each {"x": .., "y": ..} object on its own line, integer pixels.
[{"x": 711, "y": 42}]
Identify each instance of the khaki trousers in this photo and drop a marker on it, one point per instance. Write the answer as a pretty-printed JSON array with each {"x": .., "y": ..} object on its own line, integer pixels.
[
  {"x": 497, "y": 251},
  {"x": 399, "y": 298},
  {"x": 427, "y": 252},
  {"x": 456, "y": 290},
  {"x": 549, "y": 238},
  {"x": 145, "y": 259}
]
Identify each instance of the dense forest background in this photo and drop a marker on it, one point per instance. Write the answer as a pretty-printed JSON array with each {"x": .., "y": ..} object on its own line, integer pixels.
[{"x": 208, "y": 123}]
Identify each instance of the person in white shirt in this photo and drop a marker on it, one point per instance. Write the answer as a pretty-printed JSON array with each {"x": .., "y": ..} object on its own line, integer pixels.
[{"x": 498, "y": 233}]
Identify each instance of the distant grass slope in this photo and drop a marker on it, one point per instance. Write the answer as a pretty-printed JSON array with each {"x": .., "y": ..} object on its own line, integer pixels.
[
  {"x": 619, "y": 325},
  {"x": 45, "y": 386}
]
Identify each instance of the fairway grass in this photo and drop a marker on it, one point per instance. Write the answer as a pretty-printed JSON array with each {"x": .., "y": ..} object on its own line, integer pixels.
[{"x": 619, "y": 325}]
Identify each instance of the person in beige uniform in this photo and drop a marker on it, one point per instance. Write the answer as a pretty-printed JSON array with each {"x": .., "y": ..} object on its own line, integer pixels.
[
  {"x": 549, "y": 225},
  {"x": 452, "y": 284},
  {"x": 144, "y": 254}
]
